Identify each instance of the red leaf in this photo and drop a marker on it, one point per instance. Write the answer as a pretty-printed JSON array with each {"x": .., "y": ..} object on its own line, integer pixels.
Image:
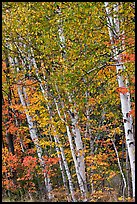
[
  {"x": 122, "y": 90},
  {"x": 127, "y": 57},
  {"x": 132, "y": 112},
  {"x": 132, "y": 91}
]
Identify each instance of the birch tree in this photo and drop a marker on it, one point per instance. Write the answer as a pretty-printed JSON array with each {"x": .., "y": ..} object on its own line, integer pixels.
[
  {"x": 78, "y": 141},
  {"x": 56, "y": 138},
  {"x": 24, "y": 100},
  {"x": 114, "y": 33}
]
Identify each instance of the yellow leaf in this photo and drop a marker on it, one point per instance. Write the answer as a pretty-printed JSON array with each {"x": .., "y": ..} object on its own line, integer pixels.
[
  {"x": 120, "y": 198},
  {"x": 93, "y": 167}
]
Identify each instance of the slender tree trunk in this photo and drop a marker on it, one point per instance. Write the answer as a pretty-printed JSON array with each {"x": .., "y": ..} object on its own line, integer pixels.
[
  {"x": 88, "y": 134},
  {"x": 35, "y": 139},
  {"x": 71, "y": 187},
  {"x": 114, "y": 33},
  {"x": 128, "y": 174},
  {"x": 73, "y": 152},
  {"x": 78, "y": 141},
  {"x": 23, "y": 98},
  {"x": 67, "y": 172},
  {"x": 62, "y": 170},
  {"x": 79, "y": 149},
  {"x": 44, "y": 91},
  {"x": 120, "y": 168}
]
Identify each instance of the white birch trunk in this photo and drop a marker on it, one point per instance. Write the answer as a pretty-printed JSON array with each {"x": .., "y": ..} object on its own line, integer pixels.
[
  {"x": 124, "y": 98},
  {"x": 67, "y": 172},
  {"x": 71, "y": 187},
  {"x": 79, "y": 149},
  {"x": 120, "y": 168},
  {"x": 62, "y": 170},
  {"x": 35, "y": 139},
  {"x": 79, "y": 160},
  {"x": 79, "y": 177},
  {"x": 128, "y": 173},
  {"x": 73, "y": 152},
  {"x": 88, "y": 134},
  {"x": 23, "y": 96},
  {"x": 44, "y": 91},
  {"x": 79, "y": 145},
  {"x": 61, "y": 34}
]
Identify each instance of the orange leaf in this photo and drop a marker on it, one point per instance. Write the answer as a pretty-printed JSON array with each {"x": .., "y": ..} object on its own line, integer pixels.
[
  {"x": 122, "y": 90},
  {"x": 91, "y": 101},
  {"x": 132, "y": 91},
  {"x": 127, "y": 57},
  {"x": 132, "y": 112}
]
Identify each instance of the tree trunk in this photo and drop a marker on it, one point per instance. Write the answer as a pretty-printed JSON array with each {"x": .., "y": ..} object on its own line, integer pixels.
[
  {"x": 114, "y": 33},
  {"x": 44, "y": 91},
  {"x": 23, "y": 96},
  {"x": 73, "y": 152},
  {"x": 79, "y": 163}
]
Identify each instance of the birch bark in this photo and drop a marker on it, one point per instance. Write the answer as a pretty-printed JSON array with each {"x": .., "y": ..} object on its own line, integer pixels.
[
  {"x": 114, "y": 32},
  {"x": 73, "y": 152},
  {"x": 79, "y": 159},
  {"x": 44, "y": 91},
  {"x": 33, "y": 133}
]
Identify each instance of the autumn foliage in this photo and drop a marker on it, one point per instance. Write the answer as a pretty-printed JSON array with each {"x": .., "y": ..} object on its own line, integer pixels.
[{"x": 52, "y": 90}]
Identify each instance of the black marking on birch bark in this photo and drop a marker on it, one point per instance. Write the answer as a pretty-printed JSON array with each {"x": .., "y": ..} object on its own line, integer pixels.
[
  {"x": 72, "y": 114},
  {"x": 32, "y": 128},
  {"x": 124, "y": 120},
  {"x": 119, "y": 70},
  {"x": 78, "y": 164},
  {"x": 129, "y": 131},
  {"x": 73, "y": 138},
  {"x": 131, "y": 143},
  {"x": 127, "y": 115}
]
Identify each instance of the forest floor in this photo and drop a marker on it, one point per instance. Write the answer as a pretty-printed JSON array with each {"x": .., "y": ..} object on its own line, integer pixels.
[
  {"x": 8, "y": 200},
  {"x": 24, "y": 200}
]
